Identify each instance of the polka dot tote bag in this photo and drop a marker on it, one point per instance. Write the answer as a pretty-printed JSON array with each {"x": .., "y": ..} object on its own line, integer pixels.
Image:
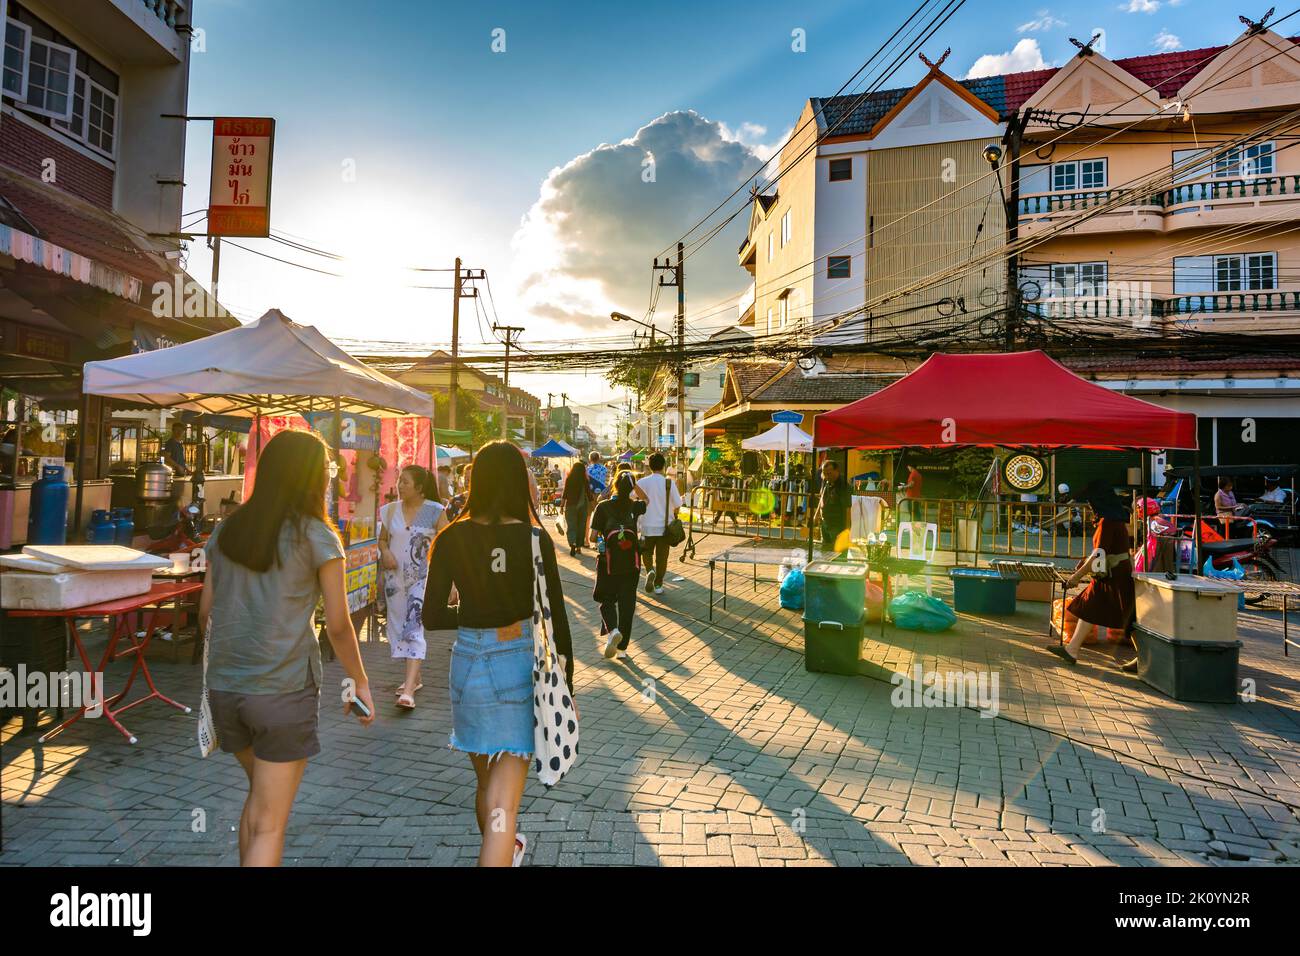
[{"x": 555, "y": 720}]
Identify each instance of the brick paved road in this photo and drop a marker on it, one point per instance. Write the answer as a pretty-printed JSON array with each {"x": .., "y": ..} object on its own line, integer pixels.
[{"x": 713, "y": 746}]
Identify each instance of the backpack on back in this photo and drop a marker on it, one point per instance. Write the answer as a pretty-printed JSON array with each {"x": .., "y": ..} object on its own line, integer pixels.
[{"x": 622, "y": 552}]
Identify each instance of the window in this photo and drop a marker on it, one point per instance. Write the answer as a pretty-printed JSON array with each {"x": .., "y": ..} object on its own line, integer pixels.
[
  {"x": 1063, "y": 177},
  {"x": 839, "y": 267},
  {"x": 17, "y": 38},
  {"x": 841, "y": 170},
  {"x": 1245, "y": 162},
  {"x": 1078, "y": 279},
  {"x": 769, "y": 320},
  {"x": 722, "y": 380},
  {"x": 49, "y": 78},
  {"x": 771, "y": 242},
  {"x": 691, "y": 379},
  {"x": 785, "y": 228},
  {"x": 1233, "y": 273},
  {"x": 101, "y": 118},
  {"x": 783, "y": 304}
]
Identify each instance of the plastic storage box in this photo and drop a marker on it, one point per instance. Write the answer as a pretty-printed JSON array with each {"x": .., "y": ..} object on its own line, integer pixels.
[
  {"x": 1204, "y": 671},
  {"x": 1187, "y": 608},
  {"x": 42, "y": 591},
  {"x": 983, "y": 591},
  {"x": 834, "y": 592},
  {"x": 831, "y": 647}
]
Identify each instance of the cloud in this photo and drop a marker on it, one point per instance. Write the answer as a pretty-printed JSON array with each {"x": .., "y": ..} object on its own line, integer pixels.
[
  {"x": 1142, "y": 6},
  {"x": 1166, "y": 42},
  {"x": 1025, "y": 55},
  {"x": 1044, "y": 21},
  {"x": 585, "y": 247}
]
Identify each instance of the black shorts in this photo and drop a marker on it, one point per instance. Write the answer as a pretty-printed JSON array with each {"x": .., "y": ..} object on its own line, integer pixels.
[{"x": 280, "y": 728}]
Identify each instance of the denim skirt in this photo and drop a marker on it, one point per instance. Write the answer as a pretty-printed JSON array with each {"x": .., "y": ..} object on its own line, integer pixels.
[{"x": 491, "y": 684}]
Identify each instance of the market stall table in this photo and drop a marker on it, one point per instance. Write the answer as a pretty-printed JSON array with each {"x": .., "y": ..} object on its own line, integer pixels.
[
  {"x": 120, "y": 613},
  {"x": 755, "y": 554}
]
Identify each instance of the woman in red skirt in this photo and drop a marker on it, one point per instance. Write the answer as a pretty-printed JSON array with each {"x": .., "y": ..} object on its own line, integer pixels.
[{"x": 1108, "y": 599}]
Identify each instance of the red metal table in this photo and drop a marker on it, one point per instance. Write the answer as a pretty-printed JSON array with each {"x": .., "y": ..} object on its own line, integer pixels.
[{"x": 119, "y": 614}]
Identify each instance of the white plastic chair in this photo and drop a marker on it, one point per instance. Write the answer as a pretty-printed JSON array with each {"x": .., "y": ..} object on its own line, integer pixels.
[{"x": 922, "y": 543}]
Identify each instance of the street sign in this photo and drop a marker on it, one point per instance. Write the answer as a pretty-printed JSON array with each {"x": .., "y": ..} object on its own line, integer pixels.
[
  {"x": 239, "y": 198},
  {"x": 667, "y": 441},
  {"x": 787, "y": 418}
]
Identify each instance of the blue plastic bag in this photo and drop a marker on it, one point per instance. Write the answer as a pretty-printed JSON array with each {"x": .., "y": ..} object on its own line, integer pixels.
[
  {"x": 792, "y": 590},
  {"x": 1236, "y": 573},
  {"x": 918, "y": 611}
]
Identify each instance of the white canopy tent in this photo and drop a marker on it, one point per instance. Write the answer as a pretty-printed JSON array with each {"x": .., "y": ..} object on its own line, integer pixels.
[
  {"x": 273, "y": 366},
  {"x": 782, "y": 437}
]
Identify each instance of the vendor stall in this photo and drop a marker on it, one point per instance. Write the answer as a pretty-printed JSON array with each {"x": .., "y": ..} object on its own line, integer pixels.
[{"x": 282, "y": 375}]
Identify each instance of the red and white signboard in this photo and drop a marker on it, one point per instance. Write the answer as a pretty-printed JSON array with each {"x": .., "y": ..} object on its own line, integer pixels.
[{"x": 239, "y": 203}]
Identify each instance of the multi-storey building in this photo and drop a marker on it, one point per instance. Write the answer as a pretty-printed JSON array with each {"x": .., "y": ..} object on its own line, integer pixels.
[
  {"x": 93, "y": 96},
  {"x": 889, "y": 224},
  {"x": 433, "y": 375}
]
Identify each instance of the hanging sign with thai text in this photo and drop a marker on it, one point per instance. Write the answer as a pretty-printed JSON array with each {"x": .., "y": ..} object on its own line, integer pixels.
[{"x": 239, "y": 203}]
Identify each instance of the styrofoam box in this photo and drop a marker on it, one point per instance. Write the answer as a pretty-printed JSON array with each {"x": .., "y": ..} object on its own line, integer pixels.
[
  {"x": 1188, "y": 608},
  {"x": 20, "y": 590}
]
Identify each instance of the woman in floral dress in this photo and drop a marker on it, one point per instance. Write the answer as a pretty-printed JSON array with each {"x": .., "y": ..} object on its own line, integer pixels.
[{"x": 407, "y": 529}]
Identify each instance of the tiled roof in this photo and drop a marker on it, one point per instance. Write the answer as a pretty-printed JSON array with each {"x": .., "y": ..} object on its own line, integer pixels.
[
  {"x": 80, "y": 227},
  {"x": 794, "y": 387},
  {"x": 751, "y": 374},
  {"x": 1181, "y": 366},
  {"x": 1166, "y": 73}
]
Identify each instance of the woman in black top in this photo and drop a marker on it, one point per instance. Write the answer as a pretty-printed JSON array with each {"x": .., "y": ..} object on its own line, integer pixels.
[
  {"x": 576, "y": 500},
  {"x": 487, "y": 553},
  {"x": 618, "y": 563}
]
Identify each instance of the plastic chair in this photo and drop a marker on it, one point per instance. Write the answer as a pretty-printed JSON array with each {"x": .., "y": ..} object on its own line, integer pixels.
[{"x": 922, "y": 543}]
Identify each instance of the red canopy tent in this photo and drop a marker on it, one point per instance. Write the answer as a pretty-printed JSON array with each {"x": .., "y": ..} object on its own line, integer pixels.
[{"x": 1015, "y": 399}]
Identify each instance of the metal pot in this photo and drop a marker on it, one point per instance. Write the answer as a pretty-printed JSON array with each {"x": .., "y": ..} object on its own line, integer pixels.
[{"x": 153, "y": 481}]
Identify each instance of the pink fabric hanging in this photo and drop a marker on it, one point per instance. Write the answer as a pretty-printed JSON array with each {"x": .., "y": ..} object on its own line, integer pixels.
[
  {"x": 271, "y": 425},
  {"x": 402, "y": 442}
]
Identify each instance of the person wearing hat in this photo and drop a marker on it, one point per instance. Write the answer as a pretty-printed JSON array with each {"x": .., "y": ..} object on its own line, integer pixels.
[{"x": 1108, "y": 600}]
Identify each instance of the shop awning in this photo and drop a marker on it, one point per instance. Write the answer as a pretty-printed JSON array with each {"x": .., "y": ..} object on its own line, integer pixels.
[
  {"x": 273, "y": 366},
  {"x": 1016, "y": 399}
]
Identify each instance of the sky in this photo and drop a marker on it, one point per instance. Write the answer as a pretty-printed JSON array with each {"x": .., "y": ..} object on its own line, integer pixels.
[{"x": 517, "y": 135}]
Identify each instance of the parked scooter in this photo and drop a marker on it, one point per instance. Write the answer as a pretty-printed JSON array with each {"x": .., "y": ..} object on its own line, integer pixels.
[{"x": 1253, "y": 554}]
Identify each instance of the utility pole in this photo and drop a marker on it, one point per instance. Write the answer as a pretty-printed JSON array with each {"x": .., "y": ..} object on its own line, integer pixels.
[
  {"x": 1013, "y": 139},
  {"x": 678, "y": 271},
  {"x": 458, "y": 292},
  {"x": 216, "y": 268},
  {"x": 568, "y": 416},
  {"x": 512, "y": 332}
]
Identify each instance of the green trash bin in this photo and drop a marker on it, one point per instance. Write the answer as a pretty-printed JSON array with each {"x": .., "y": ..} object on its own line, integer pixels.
[
  {"x": 831, "y": 647},
  {"x": 834, "y": 591},
  {"x": 1201, "y": 671}
]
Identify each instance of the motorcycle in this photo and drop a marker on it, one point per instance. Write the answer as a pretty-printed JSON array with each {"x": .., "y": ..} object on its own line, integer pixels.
[
  {"x": 185, "y": 535},
  {"x": 1253, "y": 554}
]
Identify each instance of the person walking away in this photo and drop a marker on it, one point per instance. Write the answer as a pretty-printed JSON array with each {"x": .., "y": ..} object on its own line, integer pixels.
[
  {"x": 576, "y": 500},
  {"x": 662, "y": 501},
  {"x": 487, "y": 555},
  {"x": 618, "y": 563},
  {"x": 1108, "y": 600},
  {"x": 407, "y": 528},
  {"x": 457, "y": 503},
  {"x": 444, "y": 483},
  {"x": 597, "y": 475},
  {"x": 834, "y": 508},
  {"x": 268, "y": 565}
]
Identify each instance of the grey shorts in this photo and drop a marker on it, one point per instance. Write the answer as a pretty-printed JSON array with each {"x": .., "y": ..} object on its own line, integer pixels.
[{"x": 280, "y": 728}]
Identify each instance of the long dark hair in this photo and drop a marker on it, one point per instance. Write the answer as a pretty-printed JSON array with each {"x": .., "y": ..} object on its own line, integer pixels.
[
  {"x": 424, "y": 480},
  {"x": 575, "y": 486},
  {"x": 500, "y": 486},
  {"x": 290, "y": 486}
]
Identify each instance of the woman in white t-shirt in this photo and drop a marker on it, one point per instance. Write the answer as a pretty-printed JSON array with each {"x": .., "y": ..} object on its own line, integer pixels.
[{"x": 662, "y": 499}]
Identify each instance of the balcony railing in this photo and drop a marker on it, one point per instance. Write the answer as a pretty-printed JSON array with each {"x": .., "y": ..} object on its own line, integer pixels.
[
  {"x": 1208, "y": 190},
  {"x": 1138, "y": 308},
  {"x": 1271, "y": 300},
  {"x": 170, "y": 12}
]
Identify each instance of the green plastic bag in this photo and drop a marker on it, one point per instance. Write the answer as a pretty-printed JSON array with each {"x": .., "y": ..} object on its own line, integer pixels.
[{"x": 918, "y": 611}]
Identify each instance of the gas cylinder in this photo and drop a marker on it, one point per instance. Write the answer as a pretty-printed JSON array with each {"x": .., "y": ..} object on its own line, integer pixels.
[{"x": 47, "y": 520}]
